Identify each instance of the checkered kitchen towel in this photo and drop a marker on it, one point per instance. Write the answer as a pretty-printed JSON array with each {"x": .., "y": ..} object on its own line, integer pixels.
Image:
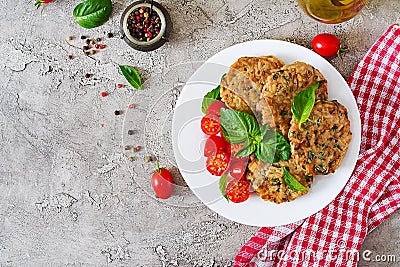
[{"x": 333, "y": 236}]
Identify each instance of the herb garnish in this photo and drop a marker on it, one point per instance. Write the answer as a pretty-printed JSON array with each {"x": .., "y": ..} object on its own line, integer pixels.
[
  {"x": 92, "y": 13},
  {"x": 132, "y": 76},
  {"x": 240, "y": 127},
  {"x": 222, "y": 186},
  {"x": 291, "y": 182},
  {"x": 209, "y": 98},
  {"x": 303, "y": 104}
]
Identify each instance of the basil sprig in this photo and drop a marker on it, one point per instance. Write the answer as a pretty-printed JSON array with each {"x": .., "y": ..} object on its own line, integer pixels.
[
  {"x": 291, "y": 182},
  {"x": 303, "y": 104},
  {"x": 92, "y": 13},
  {"x": 209, "y": 98},
  {"x": 132, "y": 76},
  {"x": 240, "y": 127}
]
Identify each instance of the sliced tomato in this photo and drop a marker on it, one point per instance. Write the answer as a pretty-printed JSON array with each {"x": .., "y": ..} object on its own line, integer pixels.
[
  {"x": 213, "y": 144},
  {"x": 215, "y": 107},
  {"x": 218, "y": 163},
  {"x": 210, "y": 124},
  {"x": 238, "y": 168},
  {"x": 238, "y": 191}
]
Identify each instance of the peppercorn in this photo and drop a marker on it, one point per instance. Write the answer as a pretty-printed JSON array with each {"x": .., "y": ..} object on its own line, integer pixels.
[
  {"x": 131, "y": 106},
  {"x": 102, "y": 46},
  {"x": 92, "y": 52},
  {"x": 133, "y": 150},
  {"x": 127, "y": 147},
  {"x": 131, "y": 132},
  {"x": 148, "y": 158},
  {"x": 119, "y": 85},
  {"x": 69, "y": 38},
  {"x": 92, "y": 42},
  {"x": 69, "y": 56},
  {"x": 96, "y": 46},
  {"x": 117, "y": 112},
  {"x": 87, "y": 41},
  {"x": 83, "y": 37},
  {"x": 138, "y": 148},
  {"x": 131, "y": 159},
  {"x": 103, "y": 94},
  {"x": 87, "y": 75},
  {"x": 86, "y": 53},
  {"x": 110, "y": 35},
  {"x": 98, "y": 39}
]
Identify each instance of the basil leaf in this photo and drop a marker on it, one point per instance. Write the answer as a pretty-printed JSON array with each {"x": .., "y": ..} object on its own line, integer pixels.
[
  {"x": 239, "y": 127},
  {"x": 222, "y": 186},
  {"x": 248, "y": 148},
  {"x": 273, "y": 147},
  {"x": 132, "y": 76},
  {"x": 291, "y": 182},
  {"x": 92, "y": 13},
  {"x": 282, "y": 150},
  {"x": 303, "y": 104},
  {"x": 209, "y": 98}
]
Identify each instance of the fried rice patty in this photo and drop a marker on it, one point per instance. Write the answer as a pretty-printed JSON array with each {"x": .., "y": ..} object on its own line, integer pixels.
[
  {"x": 268, "y": 181},
  {"x": 283, "y": 85},
  {"x": 241, "y": 87},
  {"x": 320, "y": 146}
]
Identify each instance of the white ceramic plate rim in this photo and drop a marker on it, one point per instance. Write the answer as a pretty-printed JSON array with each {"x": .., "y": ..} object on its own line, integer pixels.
[{"x": 255, "y": 211}]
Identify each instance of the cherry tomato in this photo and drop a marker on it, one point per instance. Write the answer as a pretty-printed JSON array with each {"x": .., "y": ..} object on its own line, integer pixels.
[
  {"x": 327, "y": 45},
  {"x": 238, "y": 191},
  {"x": 162, "y": 182},
  {"x": 215, "y": 107},
  {"x": 213, "y": 144},
  {"x": 217, "y": 164},
  {"x": 210, "y": 124},
  {"x": 238, "y": 169}
]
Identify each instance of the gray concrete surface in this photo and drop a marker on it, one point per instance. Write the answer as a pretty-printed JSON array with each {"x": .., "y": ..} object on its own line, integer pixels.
[{"x": 68, "y": 195}]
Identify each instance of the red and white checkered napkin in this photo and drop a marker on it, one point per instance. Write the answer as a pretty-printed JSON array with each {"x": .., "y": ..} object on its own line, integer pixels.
[{"x": 333, "y": 236}]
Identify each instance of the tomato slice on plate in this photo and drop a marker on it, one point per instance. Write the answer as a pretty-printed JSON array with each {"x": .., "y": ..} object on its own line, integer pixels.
[
  {"x": 210, "y": 124},
  {"x": 215, "y": 107},
  {"x": 238, "y": 168},
  {"x": 213, "y": 144},
  {"x": 217, "y": 164},
  {"x": 238, "y": 191}
]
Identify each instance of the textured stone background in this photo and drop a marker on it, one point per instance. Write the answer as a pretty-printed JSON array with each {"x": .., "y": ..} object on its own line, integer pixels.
[{"x": 68, "y": 196}]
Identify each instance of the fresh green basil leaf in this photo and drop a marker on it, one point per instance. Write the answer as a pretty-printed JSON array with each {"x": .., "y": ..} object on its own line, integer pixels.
[
  {"x": 282, "y": 150},
  {"x": 238, "y": 127},
  {"x": 291, "y": 182},
  {"x": 273, "y": 147},
  {"x": 248, "y": 148},
  {"x": 132, "y": 76},
  {"x": 92, "y": 13},
  {"x": 303, "y": 104},
  {"x": 265, "y": 151},
  {"x": 209, "y": 98},
  {"x": 222, "y": 186}
]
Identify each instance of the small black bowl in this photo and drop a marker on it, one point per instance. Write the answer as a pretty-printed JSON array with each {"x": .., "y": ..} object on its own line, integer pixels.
[{"x": 159, "y": 40}]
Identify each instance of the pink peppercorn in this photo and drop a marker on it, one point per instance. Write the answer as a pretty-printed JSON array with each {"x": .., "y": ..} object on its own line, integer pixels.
[{"x": 103, "y": 94}]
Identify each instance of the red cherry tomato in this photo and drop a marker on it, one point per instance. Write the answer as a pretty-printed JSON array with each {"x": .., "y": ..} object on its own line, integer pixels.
[
  {"x": 210, "y": 124},
  {"x": 213, "y": 144},
  {"x": 238, "y": 169},
  {"x": 238, "y": 191},
  {"x": 162, "y": 182},
  {"x": 215, "y": 107},
  {"x": 218, "y": 164},
  {"x": 327, "y": 45}
]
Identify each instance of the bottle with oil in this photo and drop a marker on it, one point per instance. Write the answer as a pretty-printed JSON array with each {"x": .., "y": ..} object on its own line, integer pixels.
[{"x": 331, "y": 11}]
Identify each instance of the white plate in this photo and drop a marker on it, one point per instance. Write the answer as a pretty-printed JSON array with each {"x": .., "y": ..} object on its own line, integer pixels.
[{"x": 188, "y": 139}]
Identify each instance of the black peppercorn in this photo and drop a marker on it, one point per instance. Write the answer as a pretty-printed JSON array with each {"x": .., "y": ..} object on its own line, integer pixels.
[
  {"x": 117, "y": 112},
  {"x": 87, "y": 75},
  {"x": 110, "y": 35},
  {"x": 83, "y": 37}
]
